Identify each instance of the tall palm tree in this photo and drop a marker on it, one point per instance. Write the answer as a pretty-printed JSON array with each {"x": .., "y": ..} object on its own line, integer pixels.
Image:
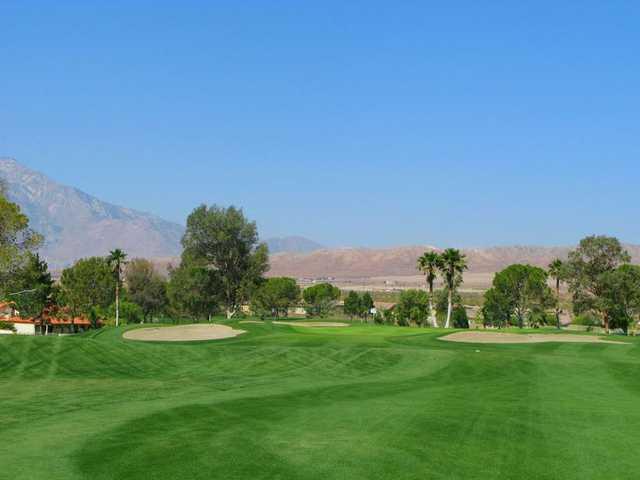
[
  {"x": 429, "y": 264},
  {"x": 556, "y": 271},
  {"x": 117, "y": 259},
  {"x": 453, "y": 264}
]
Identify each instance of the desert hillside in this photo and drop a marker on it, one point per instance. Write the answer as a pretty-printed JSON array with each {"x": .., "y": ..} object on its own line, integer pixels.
[{"x": 401, "y": 261}]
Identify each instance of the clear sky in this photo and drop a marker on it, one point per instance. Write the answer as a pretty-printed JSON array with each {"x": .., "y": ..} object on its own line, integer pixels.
[{"x": 352, "y": 123}]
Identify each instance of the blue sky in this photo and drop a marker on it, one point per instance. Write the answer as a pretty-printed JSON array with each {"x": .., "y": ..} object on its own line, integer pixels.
[{"x": 352, "y": 123}]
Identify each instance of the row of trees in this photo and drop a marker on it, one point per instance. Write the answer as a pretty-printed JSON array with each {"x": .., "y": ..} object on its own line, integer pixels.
[
  {"x": 222, "y": 268},
  {"x": 601, "y": 283}
]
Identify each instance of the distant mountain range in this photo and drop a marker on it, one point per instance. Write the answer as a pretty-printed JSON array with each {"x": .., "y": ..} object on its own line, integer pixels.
[
  {"x": 76, "y": 224},
  {"x": 348, "y": 263}
]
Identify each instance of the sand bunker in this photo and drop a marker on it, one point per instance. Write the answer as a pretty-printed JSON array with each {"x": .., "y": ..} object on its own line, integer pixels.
[
  {"x": 313, "y": 324},
  {"x": 302, "y": 324},
  {"x": 183, "y": 333},
  {"x": 495, "y": 337}
]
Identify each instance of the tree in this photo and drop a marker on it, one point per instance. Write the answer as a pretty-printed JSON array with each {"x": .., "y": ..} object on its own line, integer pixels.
[
  {"x": 117, "y": 260},
  {"x": 18, "y": 242},
  {"x": 320, "y": 299},
  {"x": 459, "y": 317},
  {"x": 452, "y": 266},
  {"x": 557, "y": 273},
  {"x": 30, "y": 286},
  {"x": 496, "y": 309},
  {"x": 518, "y": 291},
  {"x": 129, "y": 312},
  {"x": 352, "y": 304},
  {"x": 222, "y": 239},
  {"x": 275, "y": 296},
  {"x": 146, "y": 287},
  {"x": 192, "y": 291},
  {"x": 429, "y": 263},
  {"x": 90, "y": 283},
  {"x": 585, "y": 269},
  {"x": 366, "y": 305},
  {"x": 621, "y": 295},
  {"x": 412, "y": 307}
]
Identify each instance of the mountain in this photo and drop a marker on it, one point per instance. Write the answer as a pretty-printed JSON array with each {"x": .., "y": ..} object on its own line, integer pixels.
[
  {"x": 292, "y": 245},
  {"x": 348, "y": 263},
  {"x": 77, "y": 225}
]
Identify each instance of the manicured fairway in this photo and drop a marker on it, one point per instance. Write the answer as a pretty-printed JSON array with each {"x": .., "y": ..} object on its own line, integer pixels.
[{"x": 283, "y": 402}]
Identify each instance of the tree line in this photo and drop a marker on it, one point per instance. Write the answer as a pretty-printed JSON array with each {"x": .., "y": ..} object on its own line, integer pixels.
[
  {"x": 223, "y": 266},
  {"x": 603, "y": 288}
]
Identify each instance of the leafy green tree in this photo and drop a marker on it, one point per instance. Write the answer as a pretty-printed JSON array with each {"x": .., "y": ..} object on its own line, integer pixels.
[
  {"x": 30, "y": 287},
  {"x": 223, "y": 240},
  {"x": 452, "y": 267},
  {"x": 557, "y": 271},
  {"x": 621, "y": 295},
  {"x": 191, "y": 291},
  {"x": 117, "y": 259},
  {"x": 275, "y": 296},
  {"x": 17, "y": 239},
  {"x": 585, "y": 270},
  {"x": 129, "y": 312},
  {"x": 88, "y": 284},
  {"x": 352, "y": 304},
  {"x": 496, "y": 309},
  {"x": 459, "y": 317},
  {"x": 320, "y": 299},
  {"x": 412, "y": 307},
  {"x": 430, "y": 263},
  {"x": 366, "y": 305},
  {"x": 389, "y": 316},
  {"x": 522, "y": 290},
  {"x": 146, "y": 287}
]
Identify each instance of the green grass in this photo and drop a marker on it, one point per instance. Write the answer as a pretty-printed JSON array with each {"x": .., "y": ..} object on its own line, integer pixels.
[{"x": 365, "y": 402}]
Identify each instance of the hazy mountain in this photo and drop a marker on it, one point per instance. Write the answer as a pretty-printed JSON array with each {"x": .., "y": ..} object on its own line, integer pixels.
[
  {"x": 401, "y": 261},
  {"x": 292, "y": 244},
  {"x": 77, "y": 225}
]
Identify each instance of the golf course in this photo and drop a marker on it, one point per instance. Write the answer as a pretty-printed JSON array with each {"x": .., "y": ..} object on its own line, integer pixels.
[{"x": 293, "y": 402}]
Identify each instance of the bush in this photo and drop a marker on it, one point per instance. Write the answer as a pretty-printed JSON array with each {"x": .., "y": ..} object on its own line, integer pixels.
[
  {"x": 7, "y": 326},
  {"x": 588, "y": 320},
  {"x": 459, "y": 317},
  {"x": 130, "y": 313}
]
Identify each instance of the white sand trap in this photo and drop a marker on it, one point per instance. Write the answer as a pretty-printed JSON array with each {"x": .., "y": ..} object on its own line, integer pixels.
[
  {"x": 313, "y": 324},
  {"x": 301, "y": 324},
  {"x": 183, "y": 333},
  {"x": 495, "y": 337}
]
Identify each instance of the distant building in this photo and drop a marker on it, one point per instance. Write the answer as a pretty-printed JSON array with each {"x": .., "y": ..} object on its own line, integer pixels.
[{"x": 52, "y": 321}]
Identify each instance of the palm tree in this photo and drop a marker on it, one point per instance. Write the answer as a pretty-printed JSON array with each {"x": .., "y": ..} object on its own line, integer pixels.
[
  {"x": 429, "y": 264},
  {"x": 453, "y": 264},
  {"x": 556, "y": 271},
  {"x": 117, "y": 259}
]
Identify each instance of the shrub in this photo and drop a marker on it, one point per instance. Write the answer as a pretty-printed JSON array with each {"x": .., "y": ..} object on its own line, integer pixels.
[
  {"x": 459, "y": 317},
  {"x": 7, "y": 326},
  {"x": 588, "y": 320}
]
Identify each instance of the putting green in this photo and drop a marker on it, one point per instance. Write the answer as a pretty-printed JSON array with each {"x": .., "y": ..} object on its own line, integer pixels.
[{"x": 365, "y": 402}]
